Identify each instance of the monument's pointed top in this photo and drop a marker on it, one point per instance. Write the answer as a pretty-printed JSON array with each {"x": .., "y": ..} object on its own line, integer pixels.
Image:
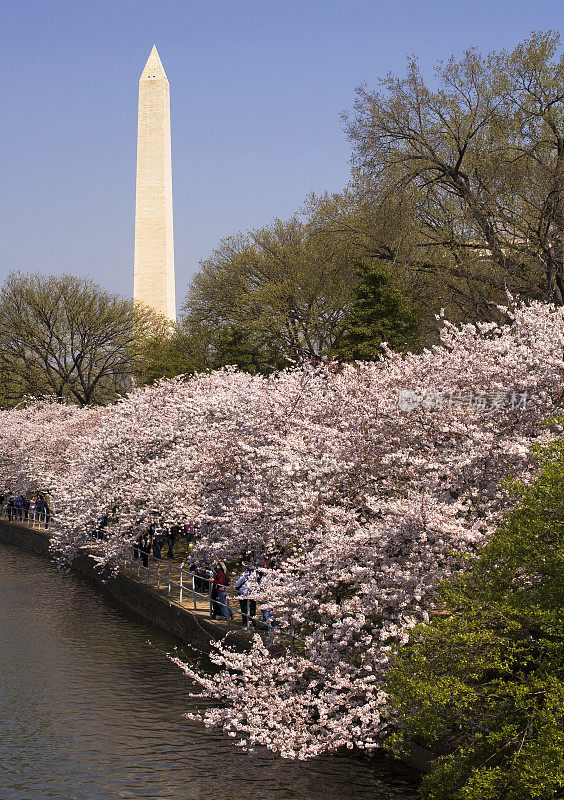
[{"x": 153, "y": 68}]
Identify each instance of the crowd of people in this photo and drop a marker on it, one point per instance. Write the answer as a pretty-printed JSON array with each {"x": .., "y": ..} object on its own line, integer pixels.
[
  {"x": 213, "y": 581},
  {"x": 155, "y": 537},
  {"x": 247, "y": 585},
  {"x": 22, "y": 508}
]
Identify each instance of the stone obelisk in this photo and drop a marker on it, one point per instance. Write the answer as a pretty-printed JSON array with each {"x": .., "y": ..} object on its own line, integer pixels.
[{"x": 153, "y": 282}]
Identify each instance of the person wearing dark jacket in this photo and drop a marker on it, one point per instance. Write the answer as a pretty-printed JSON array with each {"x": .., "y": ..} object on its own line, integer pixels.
[
  {"x": 158, "y": 539},
  {"x": 173, "y": 532},
  {"x": 219, "y": 593},
  {"x": 145, "y": 548}
]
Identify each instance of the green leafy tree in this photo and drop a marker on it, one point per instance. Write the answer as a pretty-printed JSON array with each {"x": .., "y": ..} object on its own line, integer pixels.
[
  {"x": 187, "y": 349},
  {"x": 380, "y": 312},
  {"x": 273, "y": 296},
  {"x": 382, "y": 225},
  {"x": 479, "y": 161},
  {"x": 167, "y": 353},
  {"x": 68, "y": 337},
  {"x": 458, "y": 187},
  {"x": 233, "y": 346},
  {"x": 484, "y": 685}
]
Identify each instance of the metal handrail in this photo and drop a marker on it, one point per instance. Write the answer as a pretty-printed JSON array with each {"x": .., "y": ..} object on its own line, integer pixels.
[
  {"x": 35, "y": 519},
  {"x": 189, "y": 588},
  {"x": 41, "y": 519}
]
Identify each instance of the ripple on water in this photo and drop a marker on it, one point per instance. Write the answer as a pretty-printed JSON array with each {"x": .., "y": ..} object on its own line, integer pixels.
[{"x": 89, "y": 710}]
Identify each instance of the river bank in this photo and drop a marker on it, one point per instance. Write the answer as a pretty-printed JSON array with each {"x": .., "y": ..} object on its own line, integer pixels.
[
  {"x": 190, "y": 627},
  {"x": 89, "y": 710}
]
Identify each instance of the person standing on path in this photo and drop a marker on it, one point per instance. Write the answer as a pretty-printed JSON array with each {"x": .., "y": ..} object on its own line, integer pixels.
[
  {"x": 11, "y": 507},
  {"x": 145, "y": 548},
  {"x": 189, "y": 533},
  {"x": 158, "y": 541},
  {"x": 173, "y": 532},
  {"x": 220, "y": 584},
  {"x": 262, "y": 581},
  {"x": 248, "y": 605}
]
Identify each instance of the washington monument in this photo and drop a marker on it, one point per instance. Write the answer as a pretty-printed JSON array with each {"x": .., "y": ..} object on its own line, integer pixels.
[{"x": 153, "y": 282}]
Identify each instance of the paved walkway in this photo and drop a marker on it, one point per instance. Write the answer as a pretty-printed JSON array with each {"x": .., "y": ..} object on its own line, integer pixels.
[
  {"x": 172, "y": 579},
  {"x": 159, "y": 573}
]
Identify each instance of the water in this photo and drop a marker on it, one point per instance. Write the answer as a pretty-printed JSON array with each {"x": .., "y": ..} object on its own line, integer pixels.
[{"x": 90, "y": 710}]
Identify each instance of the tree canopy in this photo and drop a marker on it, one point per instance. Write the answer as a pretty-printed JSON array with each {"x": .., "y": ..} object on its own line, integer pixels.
[
  {"x": 480, "y": 160},
  {"x": 380, "y": 312},
  {"x": 457, "y": 187},
  {"x": 68, "y": 337},
  {"x": 272, "y": 296}
]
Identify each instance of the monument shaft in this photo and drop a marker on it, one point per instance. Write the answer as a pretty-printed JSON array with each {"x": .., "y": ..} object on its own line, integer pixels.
[{"x": 154, "y": 246}]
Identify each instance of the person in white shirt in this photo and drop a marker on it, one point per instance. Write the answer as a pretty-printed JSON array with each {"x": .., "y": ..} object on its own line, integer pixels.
[{"x": 248, "y": 605}]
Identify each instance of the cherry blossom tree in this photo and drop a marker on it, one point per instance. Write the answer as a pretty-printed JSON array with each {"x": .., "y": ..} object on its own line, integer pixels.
[
  {"x": 371, "y": 508},
  {"x": 362, "y": 486},
  {"x": 36, "y": 442}
]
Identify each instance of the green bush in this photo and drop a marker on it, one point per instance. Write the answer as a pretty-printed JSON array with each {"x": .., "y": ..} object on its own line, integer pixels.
[{"x": 483, "y": 686}]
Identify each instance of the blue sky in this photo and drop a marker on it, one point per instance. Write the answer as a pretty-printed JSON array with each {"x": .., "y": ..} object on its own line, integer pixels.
[{"x": 257, "y": 92}]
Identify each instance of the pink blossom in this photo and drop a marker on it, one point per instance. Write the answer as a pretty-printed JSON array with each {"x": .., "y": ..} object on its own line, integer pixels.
[{"x": 360, "y": 508}]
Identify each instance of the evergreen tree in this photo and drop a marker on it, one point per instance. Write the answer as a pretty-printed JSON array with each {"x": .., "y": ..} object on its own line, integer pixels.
[{"x": 381, "y": 311}]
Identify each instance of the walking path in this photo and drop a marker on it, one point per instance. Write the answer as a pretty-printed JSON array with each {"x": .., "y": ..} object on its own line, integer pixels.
[{"x": 172, "y": 580}]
